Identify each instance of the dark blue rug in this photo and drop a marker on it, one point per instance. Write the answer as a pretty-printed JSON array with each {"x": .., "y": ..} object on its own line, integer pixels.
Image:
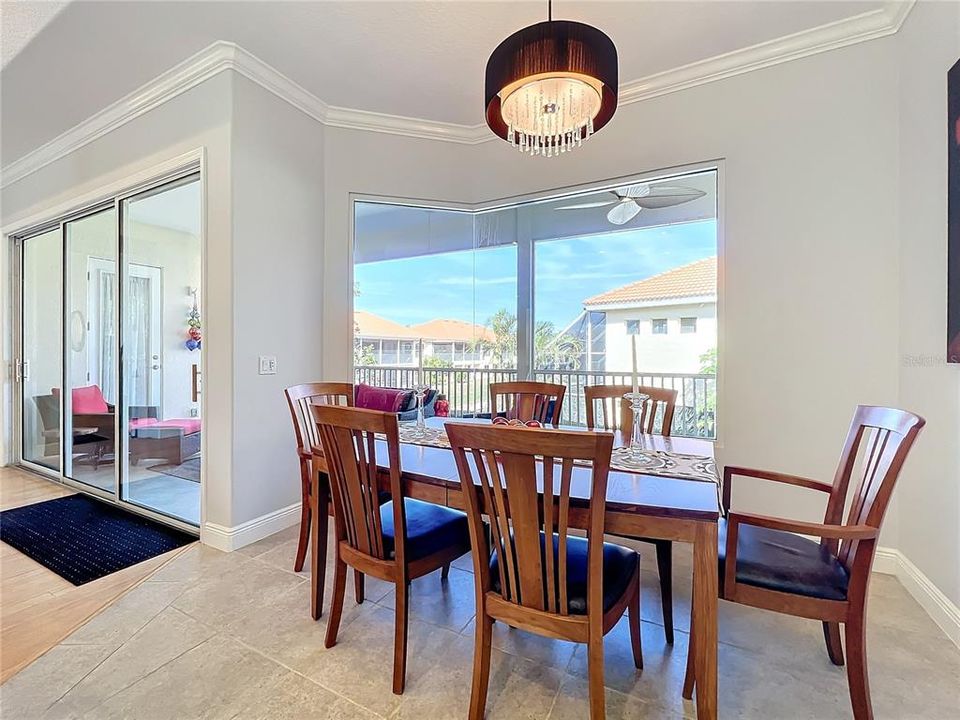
[{"x": 82, "y": 539}]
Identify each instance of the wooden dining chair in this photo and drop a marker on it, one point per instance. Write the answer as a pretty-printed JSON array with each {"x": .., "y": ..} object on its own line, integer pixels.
[
  {"x": 300, "y": 398},
  {"x": 527, "y": 400},
  {"x": 616, "y": 412},
  {"x": 539, "y": 578},
  {"x": 398, "y": 541},
  {"x": 766, "y": 562}
]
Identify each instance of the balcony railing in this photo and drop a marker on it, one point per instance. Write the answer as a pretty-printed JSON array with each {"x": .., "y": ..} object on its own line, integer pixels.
[{"x": 468, "y": 391}]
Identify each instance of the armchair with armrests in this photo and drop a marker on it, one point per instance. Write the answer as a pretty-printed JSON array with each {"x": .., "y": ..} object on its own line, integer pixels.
[{"x": 766, "y": 562}]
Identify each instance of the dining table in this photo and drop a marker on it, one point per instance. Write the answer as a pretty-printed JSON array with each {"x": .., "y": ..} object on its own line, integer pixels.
[{"x": 638, "y": 505}]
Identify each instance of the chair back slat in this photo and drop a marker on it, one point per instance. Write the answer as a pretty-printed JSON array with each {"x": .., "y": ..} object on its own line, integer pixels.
[
  {"x": 348, "y": 438},
  {"x": 655, "y": 418},
  {"x": 300, "y": 398},
  {"x": 876, "y": 447},
  {"x": 525, "y": 400},
  {"x": 510, "y": 474}
]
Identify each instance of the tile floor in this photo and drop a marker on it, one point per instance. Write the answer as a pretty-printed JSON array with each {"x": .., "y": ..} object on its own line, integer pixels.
[{"x": 216, "y": 635}]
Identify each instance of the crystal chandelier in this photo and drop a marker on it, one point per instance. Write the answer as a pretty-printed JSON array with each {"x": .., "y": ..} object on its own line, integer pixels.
[{"x": 551, "y": 86}]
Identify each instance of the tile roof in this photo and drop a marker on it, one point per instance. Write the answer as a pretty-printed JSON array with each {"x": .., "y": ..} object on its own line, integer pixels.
[
  {"x": 441, "y": 329},
  {"x": 696, "y": 279}
]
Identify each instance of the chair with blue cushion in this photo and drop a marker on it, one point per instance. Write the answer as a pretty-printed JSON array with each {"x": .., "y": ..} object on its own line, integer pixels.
[
  {"x": 396, "y": 541},
  {"x": 539, "y": 578},
  {"x": 526, "y": 400},
  {"x": 767, "y": 562}
]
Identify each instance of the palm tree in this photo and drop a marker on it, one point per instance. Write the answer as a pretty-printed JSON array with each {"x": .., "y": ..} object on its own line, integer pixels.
[{"x": 552, "y": 349}]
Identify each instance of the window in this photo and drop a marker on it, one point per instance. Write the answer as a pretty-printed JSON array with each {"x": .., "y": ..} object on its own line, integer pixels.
[{"x": 549, "y": 290}]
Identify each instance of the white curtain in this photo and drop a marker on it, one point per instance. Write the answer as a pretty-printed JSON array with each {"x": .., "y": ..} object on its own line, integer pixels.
[
  {"x": 136, "y": 347},
  {"x": 108, "y": 341}
]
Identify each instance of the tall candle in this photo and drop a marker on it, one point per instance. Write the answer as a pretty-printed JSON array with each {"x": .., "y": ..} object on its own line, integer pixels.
[{"x": 636, "y": 387}]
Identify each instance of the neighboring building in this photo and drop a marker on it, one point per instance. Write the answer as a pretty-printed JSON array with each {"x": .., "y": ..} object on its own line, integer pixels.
[
  {"x": 452, "y": 342},
  {"x": 673, "y": 315}
]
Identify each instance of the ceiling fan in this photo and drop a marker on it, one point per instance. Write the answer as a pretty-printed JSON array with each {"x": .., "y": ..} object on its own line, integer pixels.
[{"x": 630, "y": 200}]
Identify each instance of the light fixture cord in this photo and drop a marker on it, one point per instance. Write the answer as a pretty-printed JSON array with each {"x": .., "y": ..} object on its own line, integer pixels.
[{"x": 549, "y": 10}]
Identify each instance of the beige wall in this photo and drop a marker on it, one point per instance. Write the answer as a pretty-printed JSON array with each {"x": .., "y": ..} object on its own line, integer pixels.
[{"x": 929, "y": 495}]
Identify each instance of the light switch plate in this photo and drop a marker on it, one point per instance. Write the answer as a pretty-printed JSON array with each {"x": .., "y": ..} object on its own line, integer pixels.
[{"x": 268, "y": 364}]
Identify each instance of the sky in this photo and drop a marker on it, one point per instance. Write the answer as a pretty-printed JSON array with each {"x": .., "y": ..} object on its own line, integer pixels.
[{"x": 473, "y": 285}]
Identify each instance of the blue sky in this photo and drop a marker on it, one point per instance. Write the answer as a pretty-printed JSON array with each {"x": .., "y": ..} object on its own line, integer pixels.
[{"x": 473, "y": 285}]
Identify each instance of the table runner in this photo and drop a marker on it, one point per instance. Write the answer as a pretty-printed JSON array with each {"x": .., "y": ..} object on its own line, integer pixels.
[{"x": 649, "y": 462}]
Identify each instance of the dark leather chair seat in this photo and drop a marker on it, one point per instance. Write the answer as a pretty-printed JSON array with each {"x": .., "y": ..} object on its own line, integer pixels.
[
  {"x": 619, "y": 564},
  {"x": 778, "y": 560},
  {"x": 430, "y": 528}
]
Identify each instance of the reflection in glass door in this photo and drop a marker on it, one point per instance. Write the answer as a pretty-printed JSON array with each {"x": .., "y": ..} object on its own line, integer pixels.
[
  {"x": 161, "y": 334},
  {"x": 40, "y": 367},
  {"x": 91, "y": 350}
]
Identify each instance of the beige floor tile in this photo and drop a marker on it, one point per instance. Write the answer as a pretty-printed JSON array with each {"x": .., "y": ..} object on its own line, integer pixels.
[
  {"x": 360, "y": 665},
  {"x": 121, "y": 620},
  {"x": 296, "y": 698},
  {"x": 518, "y": 688},
  {"x": 199, "y": 562},
  {"x": 164, "y": 638},
  {"x": 224, "y": 599},
  {"x": 272, "y": 542},
  {"x": 216, "y": 679},
  {"x": 553, "y": 653},
  {"x": 573, "y": 703},
  {"x": 284, "y": 630},
  {"x": 29, "y": 693},
  {"x": 450, "y": 603}
]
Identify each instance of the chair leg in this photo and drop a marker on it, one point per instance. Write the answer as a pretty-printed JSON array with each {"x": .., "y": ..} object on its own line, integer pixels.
[
  {"x": 336, "y": 603},
  {"x": 831, "y": 633},
  {"x": 400, "y": 638},
  {"x": 665, "y": 568},
  {"x": 445, "y": 572},
  {"x": 633, "y": 611},
  {"x": 595, "y": 674},
  {"x": 689, "y": 677},
  {"x": 481, "y": 666},
  {"x": 358, "y": 585},
  {"x": 856, "y": 637},
  {"x": 304, "y": 534}
]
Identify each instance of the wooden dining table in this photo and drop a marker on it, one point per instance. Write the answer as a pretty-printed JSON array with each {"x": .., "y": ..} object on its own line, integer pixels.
[{"x": 638, "y": 505}]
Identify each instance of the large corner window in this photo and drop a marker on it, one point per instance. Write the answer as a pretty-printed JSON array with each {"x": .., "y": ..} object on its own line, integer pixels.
[{"x": 558, "y": 290}]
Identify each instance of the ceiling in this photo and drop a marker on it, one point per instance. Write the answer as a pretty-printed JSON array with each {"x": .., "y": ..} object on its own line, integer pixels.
[{"x": 415, "y": 59}]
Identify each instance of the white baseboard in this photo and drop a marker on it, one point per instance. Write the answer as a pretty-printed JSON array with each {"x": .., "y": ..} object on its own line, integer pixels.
[
  {"x": 938, "y": 606},
  {"x": 229, "y": 539}
]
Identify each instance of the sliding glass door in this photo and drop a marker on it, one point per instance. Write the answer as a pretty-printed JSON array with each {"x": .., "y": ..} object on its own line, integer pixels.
[
  {"x": 109, "y": 350},
  {"x": 39, "y": 367},
  {"x": 162, "y": 340}
]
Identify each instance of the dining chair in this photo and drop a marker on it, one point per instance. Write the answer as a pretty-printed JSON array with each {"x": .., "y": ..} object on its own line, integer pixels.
[
  {"x": 538, "y": 577},
  {"x": 527, "y": 400},
  {"x": 300, "y": 398},
  {"x": 397, "y": 541},
  {"x": 616, "y": 412},
  {"x": 766, "y": 562}
]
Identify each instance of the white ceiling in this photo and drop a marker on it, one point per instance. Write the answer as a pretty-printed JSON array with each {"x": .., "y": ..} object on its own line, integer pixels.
[{"x": 414, "y": 58}]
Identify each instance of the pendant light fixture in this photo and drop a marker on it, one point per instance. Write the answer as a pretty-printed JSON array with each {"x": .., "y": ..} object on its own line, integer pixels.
[{"x": 551, "y": 86}]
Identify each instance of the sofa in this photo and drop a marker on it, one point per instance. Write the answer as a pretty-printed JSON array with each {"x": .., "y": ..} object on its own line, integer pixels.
[{"x": 402, "y": 401}]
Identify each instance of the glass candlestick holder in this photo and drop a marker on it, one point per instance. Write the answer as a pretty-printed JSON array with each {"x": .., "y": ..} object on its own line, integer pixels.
[
  {"x": 420, "y": 391},
  {"x": 637, "y": 400}
]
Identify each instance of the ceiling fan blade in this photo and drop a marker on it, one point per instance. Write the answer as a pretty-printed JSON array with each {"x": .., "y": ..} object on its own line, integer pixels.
[
  {"x": 578, "y": 206},
  {"x": 637, "y": 190},
  {"x": 668, "y": 196},
  {"x": 623, "y": 212}
]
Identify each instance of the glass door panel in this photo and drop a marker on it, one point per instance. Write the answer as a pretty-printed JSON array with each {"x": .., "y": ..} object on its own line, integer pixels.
[
  {"x": 161, "y": 349},
  {"x": 41, "y": 368},
  {"x": 91, "y": 349}
]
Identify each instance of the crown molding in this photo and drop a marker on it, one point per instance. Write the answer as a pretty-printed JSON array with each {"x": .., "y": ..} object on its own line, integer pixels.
[
  {"x": 877, "y": 23},
  {"x": 222, "y": 55}
]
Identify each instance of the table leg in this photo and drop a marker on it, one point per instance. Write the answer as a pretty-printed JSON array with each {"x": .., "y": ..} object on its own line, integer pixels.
[
  {"x": 705, "y": 589},
  {"x": 319, "y": 523}
]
